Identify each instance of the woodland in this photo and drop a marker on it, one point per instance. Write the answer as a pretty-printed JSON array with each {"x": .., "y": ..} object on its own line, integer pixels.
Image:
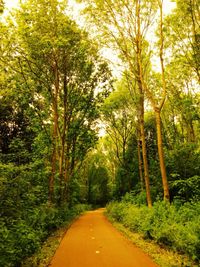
[{"x": 74, "y": 135}]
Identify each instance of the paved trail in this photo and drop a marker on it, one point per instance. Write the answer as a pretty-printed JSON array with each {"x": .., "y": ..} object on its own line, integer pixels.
[{"x": 93, "y": 242}]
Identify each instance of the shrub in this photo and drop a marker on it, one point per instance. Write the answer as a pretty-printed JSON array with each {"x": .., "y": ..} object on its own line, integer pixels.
[
  {"x": 175, "y": 227},
  {"x": 135, "y": 198},
  {"x": 22, "y": 237},
  {"x": 116, "y": 210}
]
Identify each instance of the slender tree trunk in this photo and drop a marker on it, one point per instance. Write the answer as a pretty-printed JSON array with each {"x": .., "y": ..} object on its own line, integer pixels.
[
  {"x": 158, "y": 111},
  {"x": 161, "y": 156},
  {"x": 66, "y": 174},
  {"x": 53, "y": 157},
  {"x": 140, "y": 161},
  {"x": 55, "y": 132},
  {"x": 73, "y": 150},
  {"x": 61, "y": 169},
  {"x": 144, "y": 150},
  {"x": 51, "y": 178},
  {"x": 189, "y": 128},
  {"x": 139, "y": 75},
  {"x": 145, "y": 162},
  {"x": 192, "y": 133},
  {"x": 63, "y": 137}
]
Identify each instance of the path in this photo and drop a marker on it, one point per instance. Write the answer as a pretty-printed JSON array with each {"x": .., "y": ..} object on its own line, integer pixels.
[{"x": 92, "y": 241}]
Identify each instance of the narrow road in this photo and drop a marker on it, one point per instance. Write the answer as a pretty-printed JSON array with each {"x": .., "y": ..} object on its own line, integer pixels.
[{"x": 92, "y": 241}]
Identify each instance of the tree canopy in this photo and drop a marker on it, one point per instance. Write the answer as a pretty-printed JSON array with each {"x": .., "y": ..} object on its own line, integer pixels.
[{"x": 57, "y": 92}]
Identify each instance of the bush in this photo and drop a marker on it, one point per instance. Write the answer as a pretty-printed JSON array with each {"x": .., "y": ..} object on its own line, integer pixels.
[
  {"x": 116, "y": 210},
  {"x": 175, "y": 227},
  {"x": 22, "y": 237},
  {"x": 135, "y": 198}
]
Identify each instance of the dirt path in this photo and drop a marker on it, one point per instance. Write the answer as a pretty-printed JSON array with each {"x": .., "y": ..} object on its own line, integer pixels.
[{"x": 93, "y": 242}]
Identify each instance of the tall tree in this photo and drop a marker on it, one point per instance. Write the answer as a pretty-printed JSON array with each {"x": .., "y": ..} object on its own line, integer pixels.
[
  {"x": 158, "y": 103},
  {"x": 182, "y": 43},
  {"x": 119, "y": 119},
  {"x": 130, "y": 23},
  {"x": 61, "y": 69},
  {"x": 183, "y": 33}
]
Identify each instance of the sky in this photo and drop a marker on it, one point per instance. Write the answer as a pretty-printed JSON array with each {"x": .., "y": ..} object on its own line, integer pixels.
[
  {"x": 11, "y": 3},
  {"x": 168, "y": 5}
]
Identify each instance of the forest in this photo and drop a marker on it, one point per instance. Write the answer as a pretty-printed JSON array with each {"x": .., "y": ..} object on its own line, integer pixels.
[{"x": 99, "y": 110}]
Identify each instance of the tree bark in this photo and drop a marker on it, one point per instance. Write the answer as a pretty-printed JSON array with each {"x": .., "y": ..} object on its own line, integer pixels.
[
  {"x": 140, "y": 162},
  {"x": 145, "y": 162},
  {"x": 161, "y": 156},
  {"x": 63, "y": 135},
  {"x": 65, "y": 196},
  {"x": 158, "y": 112},
  {"x": 140, "y": 78},
  {"x": 53, "y": 157},
  {"x": 55, "y": 131}
]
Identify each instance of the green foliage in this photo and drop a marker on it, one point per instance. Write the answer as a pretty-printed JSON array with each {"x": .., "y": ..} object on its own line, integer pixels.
[
  {"x": 44, "y": 51},
  {"x": 22, "y": 237},
  {"x": 174, "y": 226},
  {"x": 184, "y": 160},
  {"x": 183, "y": 166},
  {"x": 96, "y": 178},
  {"x": 26, "y": 216},
  {"x": 48, "y": 65},
  {"x": 135, "y": 198},
  {"x": 187, "y": 189}
]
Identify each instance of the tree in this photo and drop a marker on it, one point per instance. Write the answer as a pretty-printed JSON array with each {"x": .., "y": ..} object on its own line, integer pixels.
[
  {"x": 118, "y": 117},
  {"x": 183, "y": 34},
  {"x": 129, "y": 25},
  {"x": 158, "y": 102},
  {"x": 62, "y": 70},
  {"x": 95, "y": 173},
  {"x": 181, "y": 41},
  {"x": 53, "y": 83}
]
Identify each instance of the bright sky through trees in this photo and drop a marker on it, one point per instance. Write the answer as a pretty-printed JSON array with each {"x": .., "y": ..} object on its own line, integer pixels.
[{"x": 168, "y": 5}]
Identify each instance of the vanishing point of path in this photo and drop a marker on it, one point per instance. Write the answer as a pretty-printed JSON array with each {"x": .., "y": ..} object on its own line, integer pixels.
[{"x": 92, "y": 241}]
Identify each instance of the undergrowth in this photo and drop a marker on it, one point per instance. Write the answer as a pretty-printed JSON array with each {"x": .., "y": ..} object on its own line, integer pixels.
[
  {"x": 23, "y": 237},
  {"x": 173, "y": 226}
]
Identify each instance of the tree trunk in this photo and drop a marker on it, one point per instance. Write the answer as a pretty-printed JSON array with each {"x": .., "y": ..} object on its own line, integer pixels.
[
  {"x": 144, "y": 150},
  {"x": 192, "y": 133},
  {"x": 66, "y": 174},
  {"x": 63, "y": 137},
  {"x": 61, "y": 169},
  {"x": 145, "y": 162},
  {"x": 55, "y": 131},
  {"x": 140, "y": 82},
  {"x": 53, "y": 157},
  {"x": 161, "y": 156},
  {"x": 140, "y": 161}
]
